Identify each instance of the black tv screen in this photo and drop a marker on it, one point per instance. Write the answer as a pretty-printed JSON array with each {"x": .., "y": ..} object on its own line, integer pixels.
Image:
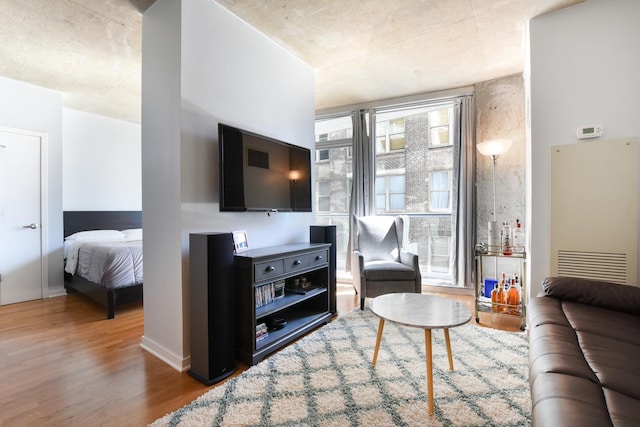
[{"x": 258, "y": 173}]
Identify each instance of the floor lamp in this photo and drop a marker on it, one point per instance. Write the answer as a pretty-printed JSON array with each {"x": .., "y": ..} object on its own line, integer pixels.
[{"x": 494, "y": 149}]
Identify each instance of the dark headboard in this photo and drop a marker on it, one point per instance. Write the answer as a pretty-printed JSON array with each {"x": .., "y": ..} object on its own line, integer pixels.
[{"x": 75, "y": 221}]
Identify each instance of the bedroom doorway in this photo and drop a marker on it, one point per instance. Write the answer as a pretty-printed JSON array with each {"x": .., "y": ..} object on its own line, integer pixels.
[{"x": 21, "y": 233}]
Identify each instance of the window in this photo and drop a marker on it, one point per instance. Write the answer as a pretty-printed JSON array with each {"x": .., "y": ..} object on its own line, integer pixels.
[
  {"x": 390, "y": 136},
  {"x": 440, "y": 191},
  {"x": 322, "y": 155},
  {"x": 324, "y": 196},
  {"x": 417, "y": 182},
  {"x": 413, "y": 148},
  {"x": 439, "y": 255},
  {"x": 390, "y": 193},
  {"x": 439, "y": 134},
  {"x": 334, "y": 129},
  {"x": 333, "y": 175}
]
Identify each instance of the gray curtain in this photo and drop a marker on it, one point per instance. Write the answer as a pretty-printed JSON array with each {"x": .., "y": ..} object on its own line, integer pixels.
[
  {"x": 463, "y": 204},
  {"x": 361, "y": 203}
]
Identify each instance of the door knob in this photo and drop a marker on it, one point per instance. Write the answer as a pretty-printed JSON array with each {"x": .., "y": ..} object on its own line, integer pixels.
[{"x": 31, "y": 226}]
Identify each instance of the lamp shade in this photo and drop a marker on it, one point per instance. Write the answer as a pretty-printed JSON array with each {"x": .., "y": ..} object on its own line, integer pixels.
[
  {"x": 494, "y": 147},
  {"x": 294, "y": 175}
]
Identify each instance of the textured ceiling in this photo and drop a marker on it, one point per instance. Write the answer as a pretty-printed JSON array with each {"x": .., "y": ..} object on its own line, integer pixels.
[{"x": 360, "y": 50}]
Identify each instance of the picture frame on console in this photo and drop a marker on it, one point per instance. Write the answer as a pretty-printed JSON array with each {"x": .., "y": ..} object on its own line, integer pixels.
[{"x": 240, "y": 241}]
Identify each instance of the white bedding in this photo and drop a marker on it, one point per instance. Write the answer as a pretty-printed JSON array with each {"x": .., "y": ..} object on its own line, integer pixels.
[{"x": 112, "y": 264}]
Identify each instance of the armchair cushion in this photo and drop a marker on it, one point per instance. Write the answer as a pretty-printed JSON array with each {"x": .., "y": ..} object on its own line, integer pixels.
[
  {"x": 378, "y": 238},
  {"x": 388, "y": 270}
]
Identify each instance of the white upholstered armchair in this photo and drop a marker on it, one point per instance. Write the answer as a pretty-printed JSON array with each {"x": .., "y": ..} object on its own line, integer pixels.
[{"x": 378, "y": 263}]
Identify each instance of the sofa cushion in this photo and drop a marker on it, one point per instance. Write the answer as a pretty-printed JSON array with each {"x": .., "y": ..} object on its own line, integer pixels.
[
  {"x": 568, "y": 401},
  {"x": 623, "y": 410},
  {"x": 547, "y": 310},
  {"x": 601, "y": 294},
  {"x": 584, "y": 354},
  {"x": 615, "y": 363},
  {"x": 600, "y": 321},
  {"x": 555, "y": 348}
]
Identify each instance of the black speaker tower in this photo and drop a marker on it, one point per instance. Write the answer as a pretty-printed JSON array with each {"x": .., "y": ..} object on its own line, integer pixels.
[
  {"x": 211, "y": 280},
  {"x": 327, "y": 234}
]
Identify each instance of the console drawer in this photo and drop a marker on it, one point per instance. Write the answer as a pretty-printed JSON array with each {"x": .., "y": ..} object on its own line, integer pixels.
[
  {"x": 296, "y": 263},
  {"x": 318, "y": 258},
  {"x": 268, "y": 269}
]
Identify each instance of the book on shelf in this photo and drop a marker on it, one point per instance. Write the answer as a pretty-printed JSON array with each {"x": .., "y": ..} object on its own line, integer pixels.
[
  {"x": 267, "y": 293},
  {"x": 261, "y": 331}
]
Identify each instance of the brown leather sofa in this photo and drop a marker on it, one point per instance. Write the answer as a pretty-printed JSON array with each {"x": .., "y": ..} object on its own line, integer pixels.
[{"x": 584, "y": 354}]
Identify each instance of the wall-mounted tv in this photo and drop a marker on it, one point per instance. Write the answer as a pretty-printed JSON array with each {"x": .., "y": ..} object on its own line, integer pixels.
[{"x": 258, "y": 173}]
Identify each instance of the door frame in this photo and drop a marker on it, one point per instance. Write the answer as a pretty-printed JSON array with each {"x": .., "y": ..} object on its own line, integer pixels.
[{"x": 44, "y": 206}]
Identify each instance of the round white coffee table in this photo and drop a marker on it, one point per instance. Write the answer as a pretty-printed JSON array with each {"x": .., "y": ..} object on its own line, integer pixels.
[{"x": 420, "y": 311}]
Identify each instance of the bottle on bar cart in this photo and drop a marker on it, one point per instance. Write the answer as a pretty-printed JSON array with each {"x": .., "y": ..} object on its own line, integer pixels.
[
  {"x": 506, "y": 239},
  {"x": 514, "y": 296},
  {"x": 499, "y": 296},
  {"x": 518, "y": 237}
]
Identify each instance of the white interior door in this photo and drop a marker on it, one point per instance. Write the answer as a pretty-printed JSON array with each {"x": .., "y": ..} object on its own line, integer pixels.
[{"x": 21, "y": 265}]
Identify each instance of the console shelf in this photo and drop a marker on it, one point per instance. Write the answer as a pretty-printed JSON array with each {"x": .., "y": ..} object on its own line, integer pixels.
[{"x": 291, "y": 315}]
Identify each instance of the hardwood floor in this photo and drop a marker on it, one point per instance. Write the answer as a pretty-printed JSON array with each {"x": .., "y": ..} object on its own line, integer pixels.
[{"x": 63, "y": 364}]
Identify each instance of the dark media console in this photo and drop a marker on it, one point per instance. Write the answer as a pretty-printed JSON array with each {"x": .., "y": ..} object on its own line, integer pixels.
[
  {"x": 269, "y": 318},
  {"x": 251, "y": 304}
]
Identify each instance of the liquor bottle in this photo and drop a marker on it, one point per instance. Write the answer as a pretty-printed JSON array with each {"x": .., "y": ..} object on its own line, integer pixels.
[
  {"x": 513, "y": 297},
  {"x": 518, "y": 237},
  {"x": 494, "y": 298},
  {"x": 506, "y": 239},
  {"x": 501, "y": 296}
]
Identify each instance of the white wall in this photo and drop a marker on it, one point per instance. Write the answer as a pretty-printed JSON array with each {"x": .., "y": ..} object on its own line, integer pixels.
[
  {"x": 235, "y": 75},
  {"x": 584, "y": 63},
  {"x": 161, "y": 216},
  {"x": 33, "y": 108},
  {"x": 102, "y": 163},
  {"x": 201, "y": 66}
]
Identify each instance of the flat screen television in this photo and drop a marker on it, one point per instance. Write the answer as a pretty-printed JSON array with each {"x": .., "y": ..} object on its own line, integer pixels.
[{"x": 258, "y": 173}]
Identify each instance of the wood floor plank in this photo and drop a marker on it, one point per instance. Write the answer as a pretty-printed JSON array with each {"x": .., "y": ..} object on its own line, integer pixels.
[{"x": 63, "y": 364}]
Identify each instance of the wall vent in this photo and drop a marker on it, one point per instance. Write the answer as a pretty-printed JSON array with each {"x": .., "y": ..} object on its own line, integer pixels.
[{"x": 608, "y": 267}]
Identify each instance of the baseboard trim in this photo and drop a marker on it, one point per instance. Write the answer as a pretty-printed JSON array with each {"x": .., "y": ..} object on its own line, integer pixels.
[
  {"x": 57, "y": 292},
  {"x": 178, "y": 363}
]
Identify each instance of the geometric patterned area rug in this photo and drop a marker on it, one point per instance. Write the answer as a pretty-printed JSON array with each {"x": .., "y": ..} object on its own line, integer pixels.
[{"x": 327, "y": 379}]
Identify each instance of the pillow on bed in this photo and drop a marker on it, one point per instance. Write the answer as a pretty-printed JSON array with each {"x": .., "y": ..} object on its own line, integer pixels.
[
  {"x": 133, "y": 233},
  {"x": 96, "y": 235}
]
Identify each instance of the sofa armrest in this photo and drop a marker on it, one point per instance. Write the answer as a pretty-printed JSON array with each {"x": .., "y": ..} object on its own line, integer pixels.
[{"x": 608, "y": 295}]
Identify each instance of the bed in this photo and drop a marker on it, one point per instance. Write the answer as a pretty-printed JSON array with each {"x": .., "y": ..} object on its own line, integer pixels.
[{"x": 103, "y": 256}]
